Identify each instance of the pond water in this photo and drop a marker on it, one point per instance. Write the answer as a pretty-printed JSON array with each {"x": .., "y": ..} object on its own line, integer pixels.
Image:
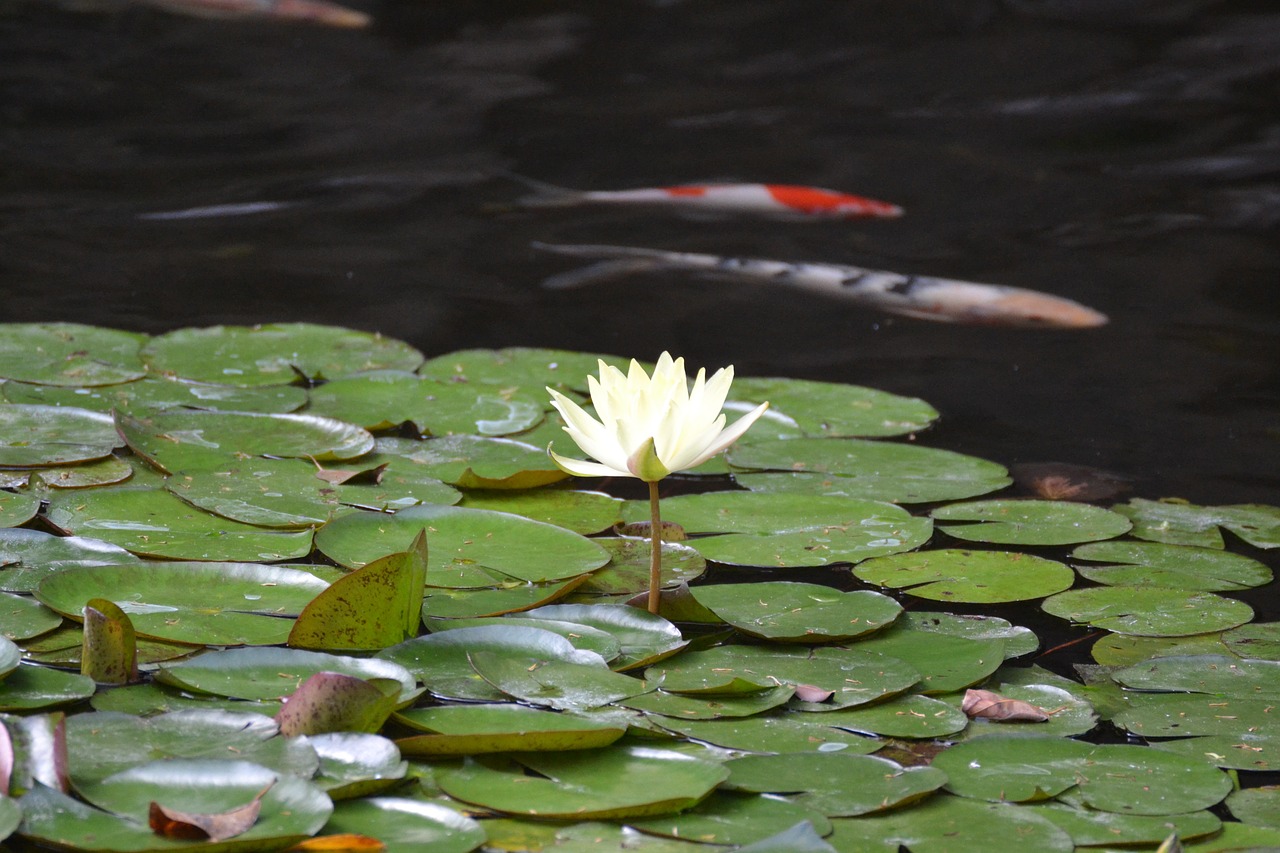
[{"x": 162, "y": 171}]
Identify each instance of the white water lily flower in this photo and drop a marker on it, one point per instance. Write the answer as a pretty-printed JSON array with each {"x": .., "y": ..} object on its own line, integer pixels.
[{"x": 650, "y": 426}]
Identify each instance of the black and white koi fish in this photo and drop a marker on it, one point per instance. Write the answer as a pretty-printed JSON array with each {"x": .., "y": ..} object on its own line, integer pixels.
[
  {"x": 923, "y": 297},
  {"x": 767, "y": 201}
]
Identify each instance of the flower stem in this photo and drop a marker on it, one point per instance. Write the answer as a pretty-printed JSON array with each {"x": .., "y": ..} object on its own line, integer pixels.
[{"x": 655, "y": 548}]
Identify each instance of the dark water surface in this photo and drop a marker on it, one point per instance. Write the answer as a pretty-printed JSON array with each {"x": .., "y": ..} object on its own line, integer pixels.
[{"x": 1123, "y": 153}]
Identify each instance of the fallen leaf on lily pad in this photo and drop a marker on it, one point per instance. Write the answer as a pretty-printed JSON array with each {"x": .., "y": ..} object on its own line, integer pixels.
[
  {"x": 172, "y": 823},
  {"x": 986, "y": 705}
]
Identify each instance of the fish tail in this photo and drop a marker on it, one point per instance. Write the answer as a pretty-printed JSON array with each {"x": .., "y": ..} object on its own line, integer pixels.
[
  {"x": 544, "y": 194},
  {"x": 599, "y": 271}
]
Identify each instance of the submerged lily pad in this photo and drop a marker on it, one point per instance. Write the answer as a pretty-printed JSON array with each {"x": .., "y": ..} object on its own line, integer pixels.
[
  {"x": 968, "y": 576},
  {"x": 274, "y": 354}
]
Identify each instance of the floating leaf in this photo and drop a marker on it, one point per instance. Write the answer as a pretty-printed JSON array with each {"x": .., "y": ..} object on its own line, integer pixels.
[
  {"x": 701, "y": 706},
  {"x": 469, "y": 547},
  {"x": 786, "y": 732},
  {"x": 798, "y": 612},
  {"x": 615, "y": 783},
  {"x": 1029, "y": 522},
  {"x": 733, "y": 818},
  {"x": 271, "y": 673},
  {"x": 333, "y": 702},
  {"x": 643, "y": 637},
  {"x": 530, "y": 367},
  {"x": 945, "y": 663},
  {"x": 205, "y": 603},
  {"x": 478, "y": 729},
  {"x": 968, "y": 576},
  {"x": 944, "y": 824},
  {"x": 1122, "y": 649},
  {"x": 1018, "y": 640},
  {"x": 355, "y": 764},
  {"x": 836, "y": 410},
  {"x": 69, "y": 354},
  {"x": 41, "y": 436},
  {"x": 274, "y": 354},
  {"x": 987, "y": 705},
  {"x": 627, "y": 572},
  {"x": 28, "y": 556},
  {"x": 1150, "y": 611},
  {"x": 559, "y": 684},
  {"x": 34, "y": 688},
  {"x": 155, "y": 394},
  {"x": 378, "y": 605},
  {"x": 1256, "y": 640},
  {"x": 579, "y": 511},
  {"x": 855, "y": 468},
  {"x": 407, "y": 824},
  {"x": 1256, "y": 806},
  {"x": 383, "y": 399},
  {"x": 582, "y": 636},
  {"x": 1219, "y": 675},
  {"x": 478, "y": 462},
  {"x": 1091, "y": 828},
  {"x": 1181, "y": 523},
  {"x": 16, "y": 510},
  {"x": 444, "y": 603},
  {"x": 835, "y": 784},
  {"x": 1173, "y": 566},
  {"x": 907, "y": 716},
  {"x": 155, "y": 523}
]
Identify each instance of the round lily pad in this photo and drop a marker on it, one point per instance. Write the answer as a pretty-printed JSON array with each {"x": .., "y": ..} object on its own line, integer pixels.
[
  {"x": 69, "y": 354},
  {"x": 772, "y": 733},
  {"x": 1256, "y": 640},
  {"x": 857, "y": 468},
  {"x": 529, "y": 367},
  {"x": 1125, "y": 649},
  {"x": 22, "y": 617},
  {"x": 406, "y": 824},
  {"x": 205, "y": 603},
  {"x": 1018, "y": 640},
  {"x": 798, "y": 612},
  {"x": 270, "y": 673},
  {"x": 33, "y": 688},
  {"x": 968, "y": 576},
  {"x": 274, "y": 354},
  {"x": 17, "y": 509},
  {"x": 478, "y": 729},
  {"x": 41, "y": 436},
  {"x": 1220, "y": 675},
  {"x": 836, "y": 410},
  {"x": 383, "y": 399},
  {"x": 945, "y": 662},
  {"x": 907, "y": 716},
  {"x": 467, "y": 547},
  {"x": 481, "y": 462},
  {"x": 1091, "y": 828},
  {"x": 1257, "y": 806},
  {"x": 356, "y": 764},
  {"x": 579, "y": 511},
  {"x": 153, "y": 393},
  {"x": 448, "y": 603},
  {"x": 1181, "y": 523},
  {"x": 1029, "y": 522},
  {"x": 28, "y": 556},
  {"x": 643, "y": 637},
  {"x": 836, "y": 784},
  {"x": 611, "y": 783},
  {"x": 155, "y": 523},
  {"x": 560, "y": 684},
  {"x": 1150, "y": 611},
  {"x": 1174, "y": 566},
  {"x": 739, "y": 819},
  {"x": 627, "y": 571}
]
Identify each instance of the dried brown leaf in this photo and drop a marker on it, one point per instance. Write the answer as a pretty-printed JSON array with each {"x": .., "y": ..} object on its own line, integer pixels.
[
  {"x": 986, "y": 705},
  {"x": 172, "y": 823}
]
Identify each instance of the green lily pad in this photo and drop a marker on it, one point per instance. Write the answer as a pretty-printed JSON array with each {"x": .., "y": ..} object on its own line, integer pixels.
[
  {"x": 10, "y": 657},
  {"x": 1116, "y": 778},
  {"x": 1150, "y": 611},
  {"x": 945, "y": 663},
  {"x": 1156, "y": 715},
  {"x": 28, "y": 556},
  {"x": 737, "y": 819},
  {"x": 1030, "y": 522},
  {"x": 643, "y": 637},
  {"x": 150, "y": 698},
  {"x": 529, "y": 367},
  {"x": 579, "y": 511},
  {"x": 836, "y": 784},
  {"x": 106, "y": 743},
  {"x": 857, "y": 468},
  {"x": 290, "y": 806},
  {"x": 1091, "y": 828},
  {"x": 613, "y": 783},
  {"x": 100, "y": 472},
  {"x": 945, "y": 824},
  {"x": 274, "y": 354},
  {"x": 42, "y": 436},
  {"x": 155, "y": 393},
  {"x": 480, "y": 462},
  {"x": 271, "y": 673},
  {"x": 854, "y": 677},
  {"x": 985, "y": 577},
  {"x": 440, "y": 661},
  {"x": 1181, "y": 523},
  {"x": 582, "y": 636},
  {"x": 383, "y": 399},
  {"x": 332, "y": 702},
  {"x": 1256, "y": 806},
  {"x": 1218, "y": 675},
  {"x": 154, "y": 523},
  {"x": 34, "y": 688},
  {"x": 1259, "y": 640},
  {"x": 377, "y": 605},
  {"x": 204, "y": 603},
  {"x": 702, "y": 706},
  {"x": 470, "y": 548},
  {"x": 1123, "y": 649},
  {"x": 355, "y": 764},
  {"x": 182, "y": 440},
  {"x": 69, "y": 354},
  {"x": 1018, "y": 640},
  {"x": 836, "y": 410},
  {"x": 478, "y": 729},
  {"x": 627, "y": 572},
  {"x": 1256, "y": 751},
  {"x": 773, "y": 733},
  {"x": 444, "y": 603},
  {"x": 908, "y": 716},
  {"x": 10, "y": 816},
  {"x": 560, "y": 684},
  {"x": 1173, "y": 566},
  {"x": 798, "y": 612},
  {"x": 22, "y": 617},
  {"x": 405, "y": 825},
  {"x": 16, "y": 510}
]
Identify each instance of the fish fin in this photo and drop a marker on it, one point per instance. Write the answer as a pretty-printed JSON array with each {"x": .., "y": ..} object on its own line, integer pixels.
[
  {"x": 544, "y": 194},
  {"x": 598, "y": 272}
]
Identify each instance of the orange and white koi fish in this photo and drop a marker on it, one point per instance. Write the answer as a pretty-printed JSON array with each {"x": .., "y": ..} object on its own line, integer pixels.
[
  {"x": 923, "y": 297},
  {"x": 770, "y": 201}
]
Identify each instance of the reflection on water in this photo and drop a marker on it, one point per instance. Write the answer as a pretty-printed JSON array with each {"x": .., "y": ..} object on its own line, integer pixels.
[{"x": 161, "y": 171}]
